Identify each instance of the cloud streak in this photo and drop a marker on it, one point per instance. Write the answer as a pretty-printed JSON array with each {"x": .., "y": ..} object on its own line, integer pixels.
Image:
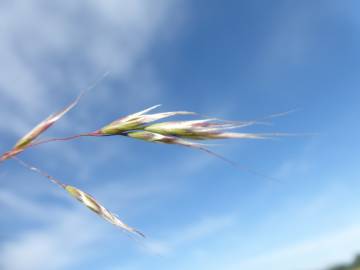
[
  {"x": 70, "y": 44},
  {"x": 328, "y": 249},
  {"x": 186, "y": 236}
]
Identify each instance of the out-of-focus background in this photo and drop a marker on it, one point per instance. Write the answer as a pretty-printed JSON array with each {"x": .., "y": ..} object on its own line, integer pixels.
[{"x": 232, "y": 59}]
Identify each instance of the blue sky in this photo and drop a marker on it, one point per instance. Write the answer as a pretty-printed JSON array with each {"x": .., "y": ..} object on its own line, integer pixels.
[{"x": 237, "y": 60}]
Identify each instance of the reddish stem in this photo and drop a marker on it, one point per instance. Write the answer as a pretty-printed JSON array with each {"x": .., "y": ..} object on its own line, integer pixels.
[{"x": 95, "y": 133}]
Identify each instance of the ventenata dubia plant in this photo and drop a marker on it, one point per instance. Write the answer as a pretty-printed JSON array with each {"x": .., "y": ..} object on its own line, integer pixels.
[{"x": 144, "y": 126}]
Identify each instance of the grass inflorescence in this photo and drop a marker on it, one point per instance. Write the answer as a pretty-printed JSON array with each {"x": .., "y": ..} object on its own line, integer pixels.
[{"x": 144, "y": 126}]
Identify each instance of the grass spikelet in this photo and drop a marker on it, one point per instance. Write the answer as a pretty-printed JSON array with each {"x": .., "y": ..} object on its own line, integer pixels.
[
  {"x": 166, "y": 139},
  {"x": 159, "y": 138},
  {"x": 205, "y": 129},
  {"x": 32, "y": 135},
  {"x": 84, "y": 198},
  {"x": 27, "y": 140},
  {"x": 46, "y": 124},
  {"x": 100, "y": 210},
  {"x": 137, "y": 121}
]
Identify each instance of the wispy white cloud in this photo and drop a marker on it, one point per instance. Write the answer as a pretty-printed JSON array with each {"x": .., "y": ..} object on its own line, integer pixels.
[
  {"x": 188, "y": 235},
  {"x": 65, "y": 45},
  {"x": 59, "y": 244},
  {"x": 63, "y": 233},
  {"x": 15, "y": 206},
  {"x": 317, "y": 253}
]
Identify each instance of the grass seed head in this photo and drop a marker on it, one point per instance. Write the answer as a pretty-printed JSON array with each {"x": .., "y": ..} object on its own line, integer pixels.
[
  {"x": 44, "y": 125},
  {"x": 137, "y": 121},
  {"x": 32, "y": 135},
  {"x": 100, "y": 210},
  {"x": 159, "y": 138},
  {"x": 205, "y": 129}
]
